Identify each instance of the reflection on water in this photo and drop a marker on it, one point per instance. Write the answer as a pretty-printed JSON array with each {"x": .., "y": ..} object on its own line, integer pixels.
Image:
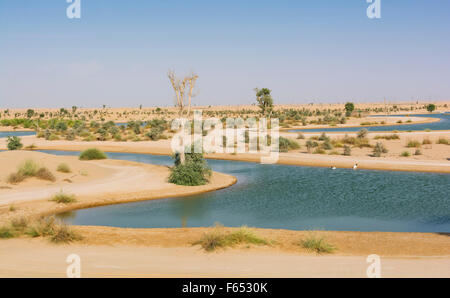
[{"x": 291, "y": 197}]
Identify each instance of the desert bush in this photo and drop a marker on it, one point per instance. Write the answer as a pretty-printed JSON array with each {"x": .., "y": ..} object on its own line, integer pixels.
[
  {"x": 6, "y": 232},
  {"x": 14, "y": 143},
  {"x": 15, "y": 178},
  {"x": 300, "y": 136},
  {"x": 64, "y": 234},
  {"x": 220, "y": 239},
  {"x": 443, "y": 141},
  {"x": 28, "y": 168},
  {"x": 286, "y": 144},
  {"x": 92, "y": 154},
  {"x": 426, "y": 142},
  {"x": 362, "y": 133},
  {"x": 63, "y": 198},
  {"x": 413, "y": 144},
  {"x": 347, "y": 150},
  {"x": 418, "y": 152},
  {"x": 379, "y": 149},
  {"x": 45, "y": 174},
  {"x": 388, "y": 137},
  {"x": 194, "y": 171},
  {"x": 405, "y": 154},
  {"x": 63, "y": 168},
  {"x": 316, "y": 244}
]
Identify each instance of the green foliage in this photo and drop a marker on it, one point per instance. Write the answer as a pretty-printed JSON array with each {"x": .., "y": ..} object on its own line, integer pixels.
[
  {"x": 63, "y": 168},
  {"x": 379, "y": 149},
  {"x": 14, "y": 143},
  {"x": 431, "y": 108},
  {"x": 220, "y": 239},
  {"x": 195, "y": 170},
  {"x": 316, "y": 244},
  {"x": 92, "y": 154},
  {"x": 63, "y": 198},
  {"x": 265, "y": 100},
  {"x": 286, "y": 144},
  {"x": 349, "y": 108},
  {"x": 347, "y": 150},
  {"x": 362, "y": 133}
]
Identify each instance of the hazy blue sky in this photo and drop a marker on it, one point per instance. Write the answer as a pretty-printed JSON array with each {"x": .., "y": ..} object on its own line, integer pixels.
[{"x": 118, "y": 53}]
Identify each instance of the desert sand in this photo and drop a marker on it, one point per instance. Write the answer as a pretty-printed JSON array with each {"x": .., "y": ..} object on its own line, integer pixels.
[
  {"x": 94, "y": 183},
  {"x": 112, "y": 252},
  {"x": 434, "y": 157}
]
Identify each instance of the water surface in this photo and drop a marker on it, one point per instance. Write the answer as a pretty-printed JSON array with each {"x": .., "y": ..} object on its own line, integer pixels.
[{"x": 291, "y": 197}]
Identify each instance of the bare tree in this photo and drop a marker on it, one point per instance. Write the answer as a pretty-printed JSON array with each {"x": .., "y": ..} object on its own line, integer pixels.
[{"x": 179, "y": 86}]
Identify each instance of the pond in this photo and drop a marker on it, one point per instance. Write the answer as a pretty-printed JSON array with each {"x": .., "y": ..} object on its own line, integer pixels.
[{"x": 290, "y": 197}]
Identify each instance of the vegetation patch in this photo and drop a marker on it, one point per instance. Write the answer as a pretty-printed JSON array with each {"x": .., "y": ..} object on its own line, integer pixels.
[
  {"x": 92, "y": 154},
  {"x": 63, "y": 168},
  {"x": 317, "y": 244},
  {"x": 220, "y": 239},
  {"x": 63, "y": 198}
]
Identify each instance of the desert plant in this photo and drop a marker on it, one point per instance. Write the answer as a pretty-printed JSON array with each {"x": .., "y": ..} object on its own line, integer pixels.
[
  {"x": 15, "y": 178},
  {"x": 63, "y": 198},
  {"x": 426, "y": 142},
  {"x": 220, "y": 239},
  {"x": 92, "y": 154},
  {"x": 347, "y": 150},
  {"x": 443, "y": 141},
  {"x": 379, "y": 149},
  {"x": 405, "y": 154},
  {"x": 286, "y": 144},
  {"x": 316, "y": 244},
  {"x": 14, "y": 143},
  {"x": 45, "y": 174},
  {"x": 28, "y": 168},
  {"x": 362, "y": 133},
  {"x": 63, "y": 168},
  {"x": 64, "y": 234},
  {"x": 413, "y": 144}
]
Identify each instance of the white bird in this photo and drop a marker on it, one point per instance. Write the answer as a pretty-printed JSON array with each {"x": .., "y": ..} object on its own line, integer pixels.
[
  {"x": 355, "y": 166},
  {"x": 333, "y": 168}
]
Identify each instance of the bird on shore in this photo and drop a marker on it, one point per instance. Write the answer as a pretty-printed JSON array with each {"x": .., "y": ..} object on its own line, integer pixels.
[
  {"x": 333, "y": 168},
  {"x": 355, "y": 166}
]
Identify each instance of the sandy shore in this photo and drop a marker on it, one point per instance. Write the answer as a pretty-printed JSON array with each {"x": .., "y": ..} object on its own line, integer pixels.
[
  {"x": 95, "y": 183},
  {"x": 110, "y": 252},
  {"x": 434, "y": 158}
]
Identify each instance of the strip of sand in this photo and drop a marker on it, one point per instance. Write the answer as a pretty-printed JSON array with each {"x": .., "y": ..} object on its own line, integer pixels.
[{"x": 95, "y": 183}]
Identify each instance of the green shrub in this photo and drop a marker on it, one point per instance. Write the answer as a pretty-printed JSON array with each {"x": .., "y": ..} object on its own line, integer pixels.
[
  {"x": 14, "y": 143},
  {"x": 286, "y": 144},
  {"x": 63, "y": 168},
  {"x": 318, "y": 245},
  {"x": 405, "y": 154},
  {"x": 220, "y": 239},
  {"x": 45, "y": 174},
  {"x": 64, "y": 234},
  {"x": 347, "y": 150},
  {"x": 92, "y": 154},
  {"x": 6, "y": 232},
  {"x": 28, "y": 168},
  {"x": 443, "y": 141},
  {"x": 63, "y": 198},
  {"x": 379, "y": 149},
  {"x": 362, "y": 133},
  {"x": 413, "y": 144},
  {"x": 195, "y": 171},
  {"x": 15, "y": 178},
  {"x": 418, "y": 152}
]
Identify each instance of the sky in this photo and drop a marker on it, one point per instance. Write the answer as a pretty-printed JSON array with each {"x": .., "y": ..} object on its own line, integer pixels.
[{"x": 306, "y": 51}]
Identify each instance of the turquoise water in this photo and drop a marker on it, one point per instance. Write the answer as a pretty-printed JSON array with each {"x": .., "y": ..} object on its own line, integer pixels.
[
  {"x": 16, "y": 133},
  {"x": 291, "y": 197},
  {"x": 444, "y": 124}
]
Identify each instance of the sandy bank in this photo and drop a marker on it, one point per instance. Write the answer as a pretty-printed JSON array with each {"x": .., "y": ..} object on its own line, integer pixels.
[
  {"x": 95, "y": 183},
  {"x": 434, "y": 159},
  {"x": 110, "y": 252}
]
